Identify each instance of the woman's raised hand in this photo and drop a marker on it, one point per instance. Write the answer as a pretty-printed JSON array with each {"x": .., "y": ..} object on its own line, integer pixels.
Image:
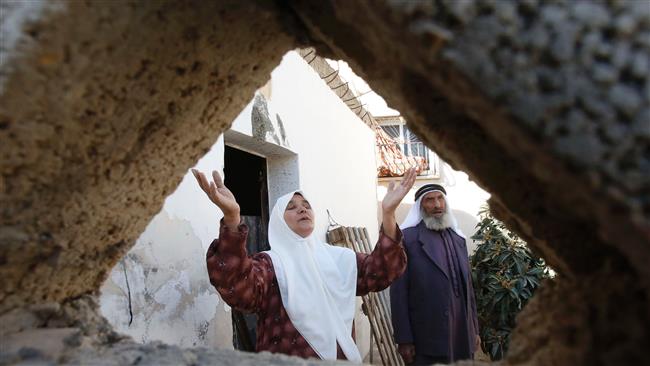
[
  {"x": 396, "y": 193},
  {"x": 220, "y": 195},
  {"x": 392, "y": 199}
]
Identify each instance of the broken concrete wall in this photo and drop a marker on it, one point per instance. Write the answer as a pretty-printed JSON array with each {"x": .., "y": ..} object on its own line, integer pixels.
[
  {"x": 115, "y": 87},
  {"x": 103, "y": 108}
]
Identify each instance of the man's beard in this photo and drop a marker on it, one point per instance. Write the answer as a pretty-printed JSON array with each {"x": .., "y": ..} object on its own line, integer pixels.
[{"x": 436, "y": 223}]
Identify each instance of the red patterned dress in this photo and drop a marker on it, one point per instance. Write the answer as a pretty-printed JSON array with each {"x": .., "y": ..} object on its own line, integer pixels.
[{"x": 248, "y": 283}]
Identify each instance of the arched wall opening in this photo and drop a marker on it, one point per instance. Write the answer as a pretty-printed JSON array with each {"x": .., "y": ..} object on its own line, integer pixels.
[
  {"x": 105, "y": 105},
  {"x": 159, "y": 292}
]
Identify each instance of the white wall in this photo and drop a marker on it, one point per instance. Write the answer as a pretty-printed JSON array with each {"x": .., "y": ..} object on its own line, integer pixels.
[
  {"x": 329, "y": 153},
  {"x": 337, "y": 170},
  {"x": 171, "y": 297}
]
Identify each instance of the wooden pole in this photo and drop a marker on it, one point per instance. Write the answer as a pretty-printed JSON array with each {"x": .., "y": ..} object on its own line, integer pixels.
[
  {"x": 375, "y": 304},
  {"x": 374, "y": 326},
  {"x": 384, "y": 323},
  {"x": 382, "y": 308}
]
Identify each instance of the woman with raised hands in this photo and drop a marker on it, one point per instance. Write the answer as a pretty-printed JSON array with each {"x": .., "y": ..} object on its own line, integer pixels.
[{"x": 303, "y": 289}]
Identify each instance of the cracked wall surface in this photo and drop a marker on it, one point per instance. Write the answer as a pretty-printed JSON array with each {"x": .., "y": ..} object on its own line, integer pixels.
[
  {"x": 104, "y": 105},
  {"x": 159, "y": 291}
]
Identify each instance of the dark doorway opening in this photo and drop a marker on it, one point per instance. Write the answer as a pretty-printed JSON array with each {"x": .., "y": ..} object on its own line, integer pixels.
[{"x": 245, "y": 176}]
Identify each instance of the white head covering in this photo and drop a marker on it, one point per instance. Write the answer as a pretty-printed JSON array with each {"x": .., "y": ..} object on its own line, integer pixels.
[
  {"x": 317, "y": 285},
  {"x": 415, "y": 214}
]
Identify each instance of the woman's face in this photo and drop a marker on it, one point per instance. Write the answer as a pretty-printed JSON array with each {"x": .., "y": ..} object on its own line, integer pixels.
[{"x": 299, "y": 216}]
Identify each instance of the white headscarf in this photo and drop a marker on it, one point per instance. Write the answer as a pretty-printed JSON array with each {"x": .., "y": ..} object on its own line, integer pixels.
[
  {"x": 415, "y": 215},
  {"x": 317, "y": 285}
]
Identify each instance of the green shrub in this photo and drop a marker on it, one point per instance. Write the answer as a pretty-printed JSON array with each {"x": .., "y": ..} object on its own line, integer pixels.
[{"x": 505, "y": 274}]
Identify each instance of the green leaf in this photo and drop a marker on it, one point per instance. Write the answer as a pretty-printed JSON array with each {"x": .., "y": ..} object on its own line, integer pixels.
[
  {"x": 499, "y": 296},
  {"x": 519, "y": 264}
]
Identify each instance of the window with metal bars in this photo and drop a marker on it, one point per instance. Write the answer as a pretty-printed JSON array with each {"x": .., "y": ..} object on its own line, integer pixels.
[{"x": 408, "y": 143}]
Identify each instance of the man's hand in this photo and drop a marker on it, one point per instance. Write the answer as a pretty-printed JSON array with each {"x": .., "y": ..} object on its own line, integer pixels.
[
  {"x": 221, "y": 196},
  {"x": 392, "y": 199},
  {"x": 407, "y": 351},
  {"x": 478, "y": 342}
]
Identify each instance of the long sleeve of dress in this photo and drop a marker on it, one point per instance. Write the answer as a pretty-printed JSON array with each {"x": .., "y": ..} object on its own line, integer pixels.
[
  {"x": 377, "y": 270},
  {"x": 242, "y": 281}
]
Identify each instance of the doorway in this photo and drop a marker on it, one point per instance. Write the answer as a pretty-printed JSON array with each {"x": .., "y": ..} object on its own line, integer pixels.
[{"x": 246, "y": 177}]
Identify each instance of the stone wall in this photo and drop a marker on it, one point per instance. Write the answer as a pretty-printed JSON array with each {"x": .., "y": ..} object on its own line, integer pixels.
[{"x": 104, "y": 105}]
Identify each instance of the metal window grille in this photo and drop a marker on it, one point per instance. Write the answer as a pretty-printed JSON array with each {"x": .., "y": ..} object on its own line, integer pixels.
[{"x": 408, "y": 143}]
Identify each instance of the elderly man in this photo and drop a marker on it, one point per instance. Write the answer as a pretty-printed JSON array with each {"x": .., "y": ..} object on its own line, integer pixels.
[{"x": 433, "y": 306}]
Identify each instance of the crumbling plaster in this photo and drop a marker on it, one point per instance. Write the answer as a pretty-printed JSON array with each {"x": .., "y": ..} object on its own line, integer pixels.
[
  {"x": 159, "y": 291},
  {"x": 545, "y": 104}
]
